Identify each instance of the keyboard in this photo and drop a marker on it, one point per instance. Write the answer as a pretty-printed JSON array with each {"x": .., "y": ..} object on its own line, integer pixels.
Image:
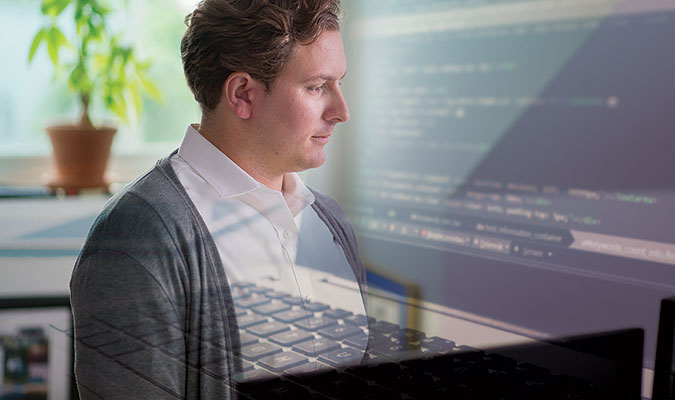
[
  {"x": 335, "y": 354},
  {"x": 332, "y": 353}
]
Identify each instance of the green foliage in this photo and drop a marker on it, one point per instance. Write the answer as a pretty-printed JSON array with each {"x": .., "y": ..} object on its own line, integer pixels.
[{"x": 98, "y": 64}]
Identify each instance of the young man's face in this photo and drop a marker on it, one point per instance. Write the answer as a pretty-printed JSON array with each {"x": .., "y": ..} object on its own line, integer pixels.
[{"x": 296, "y": 118}]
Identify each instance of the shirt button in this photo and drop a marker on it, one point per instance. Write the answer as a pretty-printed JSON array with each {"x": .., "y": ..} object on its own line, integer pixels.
[
  {"x": 288, "y": 234},
  {"x": 309, "y": 298}
]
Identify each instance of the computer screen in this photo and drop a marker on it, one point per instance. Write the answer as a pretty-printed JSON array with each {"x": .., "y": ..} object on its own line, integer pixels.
[{"x": 516, "y": 159}]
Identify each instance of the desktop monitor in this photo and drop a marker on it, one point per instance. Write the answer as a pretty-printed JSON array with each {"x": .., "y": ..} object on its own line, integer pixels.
[
  {"x": 513, "y": 160},
  {"x": 664, "y": 370}
]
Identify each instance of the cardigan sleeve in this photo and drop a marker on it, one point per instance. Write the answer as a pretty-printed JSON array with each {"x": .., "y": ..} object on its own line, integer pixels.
[
  {"x": 128, "y": 333},
  {"x": 148, "y": 314}
]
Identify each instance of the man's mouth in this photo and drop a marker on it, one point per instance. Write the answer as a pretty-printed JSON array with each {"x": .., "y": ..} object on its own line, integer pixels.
[{"x": 323, "y": 139}]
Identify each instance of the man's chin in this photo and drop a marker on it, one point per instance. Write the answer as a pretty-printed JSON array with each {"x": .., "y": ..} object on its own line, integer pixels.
[{"x": 315, "y": 161}]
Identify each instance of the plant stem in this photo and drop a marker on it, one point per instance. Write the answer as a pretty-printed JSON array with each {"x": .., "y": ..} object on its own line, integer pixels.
[{"x": 85, "y": 122}]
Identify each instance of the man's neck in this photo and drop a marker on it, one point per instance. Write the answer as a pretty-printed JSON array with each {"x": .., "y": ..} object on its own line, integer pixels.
[
  {"x": 216, "y": 134},
  {"x": 272, "y": 182}
]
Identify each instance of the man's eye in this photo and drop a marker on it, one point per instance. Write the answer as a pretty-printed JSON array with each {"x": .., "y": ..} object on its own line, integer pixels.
[{"x": 317, "y": 89}]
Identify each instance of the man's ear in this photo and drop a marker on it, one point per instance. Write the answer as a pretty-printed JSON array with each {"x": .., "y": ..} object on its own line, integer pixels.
[{"x": 238, "y": 91}]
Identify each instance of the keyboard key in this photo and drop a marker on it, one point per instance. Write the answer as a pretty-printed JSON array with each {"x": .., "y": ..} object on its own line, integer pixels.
[
  {"x": 358, "y": 320},
  {"x": 277, "y": 389},
  {"x": 175, "y": 348},
  {"x": 499, "y": 362},
  {"x": 375, "y": 392},
  {"x": 271, "y": 308},
  {"x": 259, "y": 289},
  {"x": 384, "y": 327},
  {"x": 531, "y": 371},
  {"x": 246, "y": 338},
  {"x": 198, "y": 357},
  {"x": 376, "y": 338},
  {"x": 254, "y": 375},
  {"x": 289, "y": 338},
  {"x": 251, "y": 301},
  {"x": 413, "y": 335},
  {"x": 358, "y": 341},
  {"x": 121, "y": 347},
  {"x": 240, "y": 293},
  {"x": 412, "y": 380},
  {"x": 103, "y": 338},
  {"x": 393, "y": 350},
  {"x": 240, "y": 311},
  {"x": 241, "y": 285},
  {"x": 246, "y": 366},
  {"x": 337, "y": 313},
  {"x": 315, "y": 323},
  {"x": 311, "y": 367},
  {"x": 373, "y": 356},
  {"x": 292, "y": 300},
  {"x": 339, "y": 332},
  {"x": 339, "y": 385},
  {"x": 276, "y": 295},
  {"x": 316, "y": 307},
  {"x": 268, "y": 328},
  {"x": 216, "y": 369},
  {"x": 342, "y": 357},
  {"x": 168, "y": 334},
  {"x": 290, "y": 316},
  {"x": 315, "y": 347},
  {"x": 249, "y": 320},
  {"x": 256, "y": 351},
  {"x": 437, "y": 344},
  {"x": 282, "y": 361},
  {"x": 144, "y": 328}
]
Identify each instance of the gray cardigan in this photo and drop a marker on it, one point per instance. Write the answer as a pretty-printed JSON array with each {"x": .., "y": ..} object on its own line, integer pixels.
[{"x": 150, "y": 270}]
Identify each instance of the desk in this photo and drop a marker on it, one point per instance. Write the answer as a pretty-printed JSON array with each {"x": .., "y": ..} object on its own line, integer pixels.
[{"x": 39, "y": 243}]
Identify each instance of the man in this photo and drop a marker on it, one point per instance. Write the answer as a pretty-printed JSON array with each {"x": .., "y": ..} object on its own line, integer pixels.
[{"x": 152, "y": 289}]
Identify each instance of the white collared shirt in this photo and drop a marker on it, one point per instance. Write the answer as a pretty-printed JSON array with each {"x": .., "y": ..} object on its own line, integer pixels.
[{"x": 264, "y": 235}]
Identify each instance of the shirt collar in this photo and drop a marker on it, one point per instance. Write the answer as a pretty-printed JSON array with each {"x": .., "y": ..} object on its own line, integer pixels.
[
  {"x": 228, "y": 179},
  {"x": 296, "y": 194}
]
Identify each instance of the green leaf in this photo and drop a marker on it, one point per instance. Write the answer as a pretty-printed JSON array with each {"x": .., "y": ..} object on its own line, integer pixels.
[
  {"x": 135, "y": 89},
  {"x": 53, "y": 47},
  {"x": 55, "y": 40},
  {"x": 60, "y": 37},
  {"x": 150, "y": 87},
  {"x": 99, "y": 61},
  {"x": 94, "y": 31},
  {"x": 141, "y": 66},
  {"x": 53, "y": 8},
  {"x": 39, "y": 38},
  {"x": 100, "y": 8},
  {"x": 79, "y": 80},
  {"x": 119, "y": 107}
]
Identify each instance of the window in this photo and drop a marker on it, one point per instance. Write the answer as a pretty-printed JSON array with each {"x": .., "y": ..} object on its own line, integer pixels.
[{"x": 30, "y": 97}]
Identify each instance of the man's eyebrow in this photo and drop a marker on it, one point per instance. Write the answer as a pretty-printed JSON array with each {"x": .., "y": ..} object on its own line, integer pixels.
[{"x": 326, "y": 78}]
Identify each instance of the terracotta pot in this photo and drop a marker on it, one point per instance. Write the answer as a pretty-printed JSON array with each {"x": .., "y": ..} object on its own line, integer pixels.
[{"x": 80, "y": 156}]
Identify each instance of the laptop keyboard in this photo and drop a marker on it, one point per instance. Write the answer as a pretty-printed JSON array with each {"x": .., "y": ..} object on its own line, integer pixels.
[
  {"x": 332, "y": 353},
  {"x": 335, "y": 354}
]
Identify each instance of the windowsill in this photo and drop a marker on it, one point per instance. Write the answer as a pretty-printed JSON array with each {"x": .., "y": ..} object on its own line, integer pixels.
[{"x": 35, "y": 169}]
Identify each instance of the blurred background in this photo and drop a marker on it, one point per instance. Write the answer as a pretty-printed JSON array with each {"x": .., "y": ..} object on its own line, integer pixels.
[
  {"x": 508, "y": 162},
  {"x": 154, "y": 28}
]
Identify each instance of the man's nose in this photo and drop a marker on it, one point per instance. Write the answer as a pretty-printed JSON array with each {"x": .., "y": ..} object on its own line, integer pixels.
[{"x": 339, "y": 112}]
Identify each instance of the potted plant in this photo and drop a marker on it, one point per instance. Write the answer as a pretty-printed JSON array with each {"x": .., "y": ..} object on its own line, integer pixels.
[{"x": 96, "y": 66}]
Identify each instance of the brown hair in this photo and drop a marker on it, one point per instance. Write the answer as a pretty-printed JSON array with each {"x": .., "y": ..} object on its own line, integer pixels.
[{"x": 253, "y": 36}]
